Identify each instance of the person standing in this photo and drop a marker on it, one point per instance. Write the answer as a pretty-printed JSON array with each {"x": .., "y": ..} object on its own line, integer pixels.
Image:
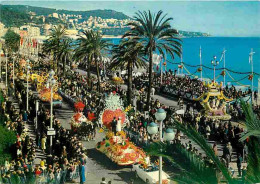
[
  {"x": 113, "y": 125},
  {"x": 215, "y": 149},
  {"x": 239, "y": 163},
  {"x": 43, "y": 143},
  {"x": 82, "y": 172},
  {"x": 118, "y": 126}
]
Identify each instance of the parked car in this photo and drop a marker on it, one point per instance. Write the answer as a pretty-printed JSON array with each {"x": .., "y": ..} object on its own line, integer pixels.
[{"x": 150, "y": 174}]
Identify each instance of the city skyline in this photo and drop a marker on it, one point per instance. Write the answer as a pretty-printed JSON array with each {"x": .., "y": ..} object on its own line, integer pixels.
[{"x": 217, "y": 18}]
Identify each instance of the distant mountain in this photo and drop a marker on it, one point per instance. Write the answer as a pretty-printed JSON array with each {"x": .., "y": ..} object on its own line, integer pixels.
[{"x": 17, "y": 15}]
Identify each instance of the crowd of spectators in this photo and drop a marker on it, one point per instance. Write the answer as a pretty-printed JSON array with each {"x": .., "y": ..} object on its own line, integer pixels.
[{"x": 67, "y": 159}]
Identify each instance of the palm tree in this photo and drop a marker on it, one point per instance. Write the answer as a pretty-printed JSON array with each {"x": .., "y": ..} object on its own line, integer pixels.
[
  {"x": 192, "y": 168},
  {"x": 52, "y": 44},
  {"x": 157, "y": 35},
  {"x": 64, "y": 53},
  {"x": 252, "y": 136},
  {"x": 82, "y": 51},
  {"x": 95, "y": 46},
  {"x": 127, "y": 55},
  {"x": 193, "y": 135}
]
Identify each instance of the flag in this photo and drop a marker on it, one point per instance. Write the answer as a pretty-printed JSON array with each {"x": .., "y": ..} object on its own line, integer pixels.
[
  {"x": 200, "y": 51},
  {"x": 249, "y": 58}
]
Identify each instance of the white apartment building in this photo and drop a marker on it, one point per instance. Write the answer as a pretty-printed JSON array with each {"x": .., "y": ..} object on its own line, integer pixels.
[{"x": 55, "y": 15}]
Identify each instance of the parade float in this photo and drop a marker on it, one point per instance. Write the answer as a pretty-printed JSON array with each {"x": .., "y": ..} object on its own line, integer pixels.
[
  {"x": 214, "y": 102},
  {"x": 80, "y": 123},
  {"x": 116, "y": 146},
  {"x": 117, "y": 80},
  {"x": 44, "y": 90}
]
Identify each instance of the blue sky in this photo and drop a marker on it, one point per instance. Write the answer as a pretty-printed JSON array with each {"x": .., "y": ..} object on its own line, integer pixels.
[{"x": 219, "y": 18}]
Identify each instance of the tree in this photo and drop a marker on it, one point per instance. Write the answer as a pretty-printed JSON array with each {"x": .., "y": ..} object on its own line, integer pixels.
[
  {"x": 52, "y": 44},
  {"x": 82, "y": 51},
  {"x": 12, "y": 41},
  {"x": 95, "y": 46},
  {"x": 252, "y": 136},
  {"x": 64, "y": 52},
  {"x": 127, "y": 55},
  {"x": 157, "y": 35},
  {"x": 193, "y": 175},
  {"x": 7, "y": 137}
]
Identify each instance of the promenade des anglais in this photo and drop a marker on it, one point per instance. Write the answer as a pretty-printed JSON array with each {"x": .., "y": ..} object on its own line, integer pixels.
[{"x": 129, "y": 92}]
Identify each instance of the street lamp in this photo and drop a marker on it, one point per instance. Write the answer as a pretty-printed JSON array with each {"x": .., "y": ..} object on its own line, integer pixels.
[
  {"x": 6, "y": 67},
  {"x": 0, "y": 65},
  {"x": 52, "y": 82},
  {"x": 214, "y": 63},
  {"x": 27, "y": 89},
  {"x": 13, "y": 69},
  {"x": 169, "y": 134},
  {"x": 160, "y": 115}
]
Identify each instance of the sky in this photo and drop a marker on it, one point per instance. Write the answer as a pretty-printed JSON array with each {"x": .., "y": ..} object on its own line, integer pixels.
[{"x": 219, "y": 18}]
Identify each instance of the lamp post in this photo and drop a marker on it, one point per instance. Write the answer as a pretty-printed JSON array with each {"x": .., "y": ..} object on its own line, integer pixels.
[
  {"x": 252, "y": 71},
  {"x": 0, "y": 65},
  {"x": 27, "y": 83},
  {"x": 52, "y": 82},
  {"x": 152, "y": 129},
  {"x": 214, "y": 63},
  {"x": 6, "y": 61},
  {"x": 13, "y": 69}
]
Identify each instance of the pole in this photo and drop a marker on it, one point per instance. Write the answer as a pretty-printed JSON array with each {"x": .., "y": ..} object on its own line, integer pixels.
[
  {"x": 0, "y": 65},
  {"x": 51, "y": 117},
  {"x": 224, "y": 82},
  {"x": 200, "y": 65},
  {"x": 13, "y": 71},
  {"x": 252, "y": 69},
  {"x": 161, "y": 70},
  {"x": 6, "y": 68},
  {"x": 27, "y": 91},
  {"x": 214, "y": 72},
  {"x": 160, "y": 157},
  {"x": 181, "y": 65},
  {"x": 36, "y": 116}
]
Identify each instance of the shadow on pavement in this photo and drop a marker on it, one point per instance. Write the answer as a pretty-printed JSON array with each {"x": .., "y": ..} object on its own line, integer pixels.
[
  {"x": 102, "y": 159},
  {"x": 130, "y": 177}
]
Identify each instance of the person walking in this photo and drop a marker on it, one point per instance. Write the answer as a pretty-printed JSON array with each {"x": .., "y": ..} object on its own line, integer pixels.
[
  {"x": 43, "y": 143},
  {"x": 239, "y": 163}
]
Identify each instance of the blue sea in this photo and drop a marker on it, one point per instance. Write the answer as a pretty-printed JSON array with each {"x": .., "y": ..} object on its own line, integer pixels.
[{"x": 236, "y": 57}]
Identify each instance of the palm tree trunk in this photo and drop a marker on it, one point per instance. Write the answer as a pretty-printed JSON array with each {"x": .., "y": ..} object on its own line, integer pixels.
[
  {"x": 64, "y": 66},
  {"x": 150, "y": 78},
  {"x": 98, "y": 75},
  {"x": 130, "y": 81},
  {"x": 88, "y": 72}
]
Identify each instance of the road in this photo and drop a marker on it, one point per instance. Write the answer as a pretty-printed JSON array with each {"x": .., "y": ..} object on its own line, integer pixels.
[{"x": 98, "y": 165}]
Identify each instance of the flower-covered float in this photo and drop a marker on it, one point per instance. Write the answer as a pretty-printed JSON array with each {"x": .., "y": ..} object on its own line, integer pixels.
[
  {"x": 79, "y": 123},
  {"x": 117, "y": 147},
  {"x": 117, "y": 80},
  {"x": 214, "y": 102},
  {"x": 120, "y": 150}
]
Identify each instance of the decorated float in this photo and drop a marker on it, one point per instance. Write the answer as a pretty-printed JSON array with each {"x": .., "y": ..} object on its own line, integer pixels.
[
  {"x": 80, "y": 124},
  {"x": 115, "y": 146},
  {"x": 44, "y": 91},
  {"x": 214, "y": 102},
  {"x": 120, "y": 150},
  {"x": 117, "y": 80}
]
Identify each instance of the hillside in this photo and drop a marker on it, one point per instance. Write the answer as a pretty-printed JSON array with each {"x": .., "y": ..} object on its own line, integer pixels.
[{"x": 17, "y": 15}]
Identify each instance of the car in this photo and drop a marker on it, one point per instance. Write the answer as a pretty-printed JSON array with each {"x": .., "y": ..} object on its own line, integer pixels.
[{"x": 150, "y": 174}]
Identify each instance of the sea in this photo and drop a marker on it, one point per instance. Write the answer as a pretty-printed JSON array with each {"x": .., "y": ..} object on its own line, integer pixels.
[{"x": 236, "y": 58}]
